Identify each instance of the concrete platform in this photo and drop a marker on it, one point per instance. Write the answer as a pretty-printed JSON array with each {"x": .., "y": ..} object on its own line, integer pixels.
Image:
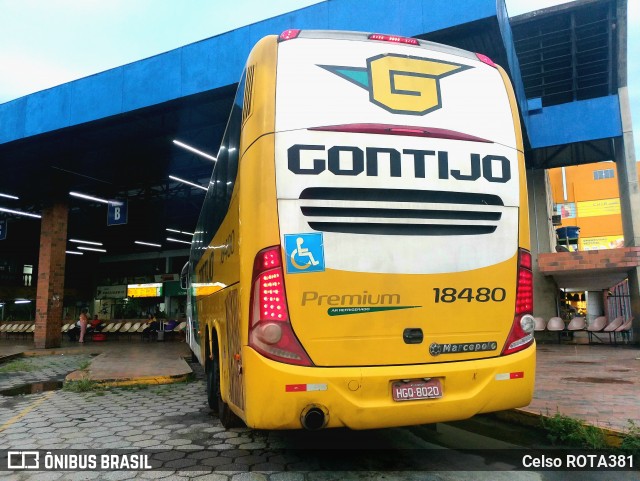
[
  {"x": 117, "y": 362},
  {"x": 125, "y": 364}
]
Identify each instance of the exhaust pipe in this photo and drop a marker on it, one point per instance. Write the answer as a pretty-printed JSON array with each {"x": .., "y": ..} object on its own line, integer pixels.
[{"x": 314, "y": 417}]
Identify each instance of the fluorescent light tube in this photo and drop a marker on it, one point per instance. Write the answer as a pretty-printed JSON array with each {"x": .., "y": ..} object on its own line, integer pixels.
[
  {"x": 194, "y": 150},
  {"x": 89, "y": 197},
  {"x": 187, "y": 182},
  {"x": 178, "y": 240},
  {"x": 179, "y": 231},
  {"x": 147, "y": 244},
  {"x": 18, "y": 212},
  {"x": 79, "y": 241},
  {"x": 91, "y": 249}
]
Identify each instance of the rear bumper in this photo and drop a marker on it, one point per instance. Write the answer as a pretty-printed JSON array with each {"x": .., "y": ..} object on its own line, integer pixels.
[{"x": 360, "y": 397}]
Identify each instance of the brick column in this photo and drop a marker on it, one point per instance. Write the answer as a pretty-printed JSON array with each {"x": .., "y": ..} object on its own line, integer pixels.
[{"x": 51, "y": 263}]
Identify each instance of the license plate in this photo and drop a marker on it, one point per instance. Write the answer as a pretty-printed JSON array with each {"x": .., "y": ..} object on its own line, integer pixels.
[{"x": 417, "y": 389}]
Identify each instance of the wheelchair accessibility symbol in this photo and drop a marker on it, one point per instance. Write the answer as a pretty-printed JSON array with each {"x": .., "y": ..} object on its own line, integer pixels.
[{"x": 305, "y": 252}]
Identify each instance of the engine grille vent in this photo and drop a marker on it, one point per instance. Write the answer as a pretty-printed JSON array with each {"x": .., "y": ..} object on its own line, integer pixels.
[{"x": 400, "y": 212}]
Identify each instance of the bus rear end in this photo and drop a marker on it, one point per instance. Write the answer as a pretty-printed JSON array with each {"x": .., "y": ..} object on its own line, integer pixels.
[{"x": 401, "y": 291}]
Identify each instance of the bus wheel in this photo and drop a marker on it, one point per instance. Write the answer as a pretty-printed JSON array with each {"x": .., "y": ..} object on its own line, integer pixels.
[
  {"x": 212, "y": 398},
  {"x": 227, "y": 417}
]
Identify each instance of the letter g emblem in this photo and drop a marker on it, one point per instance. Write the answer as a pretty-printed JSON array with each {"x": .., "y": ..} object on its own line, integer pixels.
[{"x": 407, "y": 85}]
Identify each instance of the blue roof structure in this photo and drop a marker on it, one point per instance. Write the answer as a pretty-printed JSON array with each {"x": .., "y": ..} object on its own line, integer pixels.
[
  {"x": 217, "y": 62},
  {"x": 110, "y": 133}
]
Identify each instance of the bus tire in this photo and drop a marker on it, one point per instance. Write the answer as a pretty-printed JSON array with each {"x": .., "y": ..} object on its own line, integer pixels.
[
  {"x": 212, "y": 398},
  {"x": 227, "y": 417}
]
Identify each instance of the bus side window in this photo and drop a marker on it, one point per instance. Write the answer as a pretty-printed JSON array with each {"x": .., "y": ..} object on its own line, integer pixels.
[{"x": 223, "y": 179}]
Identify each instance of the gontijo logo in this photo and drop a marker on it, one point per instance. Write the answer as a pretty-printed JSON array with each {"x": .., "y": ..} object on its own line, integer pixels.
[{"x": 401, "y": 84}]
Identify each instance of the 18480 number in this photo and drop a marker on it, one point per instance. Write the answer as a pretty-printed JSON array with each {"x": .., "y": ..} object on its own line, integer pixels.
[{"x": 481, "y": 294}]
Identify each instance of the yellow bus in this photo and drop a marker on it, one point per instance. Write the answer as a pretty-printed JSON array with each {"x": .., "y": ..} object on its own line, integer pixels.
[{"x": 361, "y": 258}]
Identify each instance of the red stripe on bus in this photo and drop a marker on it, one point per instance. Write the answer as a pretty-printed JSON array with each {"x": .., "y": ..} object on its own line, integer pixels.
[{"x": 295, "y": 387}]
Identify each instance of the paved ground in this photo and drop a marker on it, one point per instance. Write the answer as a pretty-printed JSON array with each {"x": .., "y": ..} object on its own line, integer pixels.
[
  {"x": 597, "y": 383},
  {"x": 173, "y": 425}
]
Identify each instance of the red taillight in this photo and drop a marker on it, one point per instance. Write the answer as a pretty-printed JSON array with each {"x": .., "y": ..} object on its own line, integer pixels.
[
  {"x": 393, "y": 38},
  {"x": 521, "y": 335},
  {"x": 270, "y": 332},
  {"x": 524, "y": 294},
  {"x": 289, "y": 34},
  {"x": 487, "y": 60}
]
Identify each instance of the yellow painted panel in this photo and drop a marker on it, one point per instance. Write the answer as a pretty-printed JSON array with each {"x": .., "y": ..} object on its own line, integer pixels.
[
  {"x": 360, "y": 397},
  {"x": 604, "y": 242},
  {"x": 354, "y": 319},
  {"x": 592, "y": 208}
]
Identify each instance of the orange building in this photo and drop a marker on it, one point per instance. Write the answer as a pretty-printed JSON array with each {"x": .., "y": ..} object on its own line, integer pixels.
[{"x": 587, "y": 196}]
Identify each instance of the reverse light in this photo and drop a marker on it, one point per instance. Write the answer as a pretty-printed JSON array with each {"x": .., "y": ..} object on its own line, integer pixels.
[
  {"x": 521, "y": 335},
  {"x": 270, "y": 332},
  {"x": 289, "y": 34},
  {"x": 393, "y": 39}
]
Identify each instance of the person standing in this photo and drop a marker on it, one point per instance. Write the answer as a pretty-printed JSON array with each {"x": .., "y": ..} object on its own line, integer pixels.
[{"x": 83, "y": 323}]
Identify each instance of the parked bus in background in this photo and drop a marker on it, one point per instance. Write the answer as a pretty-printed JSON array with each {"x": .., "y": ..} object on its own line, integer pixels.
[{"x": 362, "y": 255}]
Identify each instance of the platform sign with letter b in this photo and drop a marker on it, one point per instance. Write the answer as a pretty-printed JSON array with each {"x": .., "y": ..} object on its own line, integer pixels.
[{"x": 117, "y": 212}]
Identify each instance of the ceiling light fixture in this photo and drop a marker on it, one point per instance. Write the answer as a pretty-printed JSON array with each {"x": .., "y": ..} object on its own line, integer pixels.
[
  {"x": 75, "y": 253},
  {"x": 91, "y": 249},
  {"x": 178, "y": 240},
  {"x": 89, "y": 197},
  {"x": 79, "y": 241},
  {"x": 9, "y": 196},
  {"x": 18, "y": 212},
  {"x": 187, "y": 182},
  {"x": 22, "y": 301},
  {"x": 147, "y": 244},
  {"x": 179, "y": 231},
  {"x": 194, "y": 150}
]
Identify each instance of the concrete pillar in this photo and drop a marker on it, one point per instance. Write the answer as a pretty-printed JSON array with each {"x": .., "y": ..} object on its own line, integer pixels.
[
  {"x": 542, "y": 240},
  {"x": 50, "y": 287},
  {"x": 626, "y": 166},
  {"x": 628, "y": 182},
  {"x": 629, "y": 200}
]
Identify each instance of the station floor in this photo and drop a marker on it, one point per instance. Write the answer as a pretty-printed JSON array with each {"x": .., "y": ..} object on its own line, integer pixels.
[{"x": 596, "y": 383}]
